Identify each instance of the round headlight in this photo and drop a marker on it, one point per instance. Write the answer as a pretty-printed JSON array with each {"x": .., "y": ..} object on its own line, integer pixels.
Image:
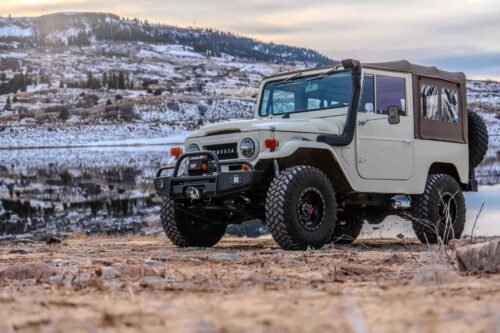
[
  {"x": 247, "y": 147},
  {"x": 192, "y": 148}
]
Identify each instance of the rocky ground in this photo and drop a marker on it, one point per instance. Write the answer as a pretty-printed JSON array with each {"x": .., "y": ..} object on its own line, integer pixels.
[{"x": 122, "y": 284}]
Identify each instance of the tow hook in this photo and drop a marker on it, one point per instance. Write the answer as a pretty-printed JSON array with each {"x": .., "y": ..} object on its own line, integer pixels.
[{"x": 192, "y": 192}]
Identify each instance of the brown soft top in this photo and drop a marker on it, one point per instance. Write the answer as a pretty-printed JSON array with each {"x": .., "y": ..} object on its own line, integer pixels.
[
  {"x": 396, "y": 66},
  {"x": 406, "y": 66}
]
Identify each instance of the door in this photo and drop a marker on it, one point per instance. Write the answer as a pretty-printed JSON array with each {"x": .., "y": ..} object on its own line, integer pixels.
[{"x": 384, "y": 150}]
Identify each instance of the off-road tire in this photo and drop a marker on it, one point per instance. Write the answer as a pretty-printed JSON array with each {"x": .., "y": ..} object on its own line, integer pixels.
[
  {"x": 425, "y": 210},
  {"x": 282, "y": 208},
  {"x": 478, "y": 139},
  {"x": 348, "y": 226},
  {"x": 184, "y": 231}
]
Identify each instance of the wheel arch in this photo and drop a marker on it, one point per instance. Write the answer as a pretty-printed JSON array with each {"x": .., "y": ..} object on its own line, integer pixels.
[
  {"x": 321, "y": 159},
  {"x": 445, "y": 168}
]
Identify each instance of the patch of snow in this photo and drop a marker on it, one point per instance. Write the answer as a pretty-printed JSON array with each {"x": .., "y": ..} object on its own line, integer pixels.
[{"x": 15, "y": 31}]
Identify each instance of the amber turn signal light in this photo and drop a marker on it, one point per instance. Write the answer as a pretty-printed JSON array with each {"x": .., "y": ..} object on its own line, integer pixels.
[
  {"x": 245, "y": 167},
  {"x": 271, "y": 143},
  {"x": 176, "y": 151}
]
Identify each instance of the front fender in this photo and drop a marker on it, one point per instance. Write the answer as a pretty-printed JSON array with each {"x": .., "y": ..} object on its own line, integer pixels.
[
  {"x": 328, "y": 159},
  {"x": 290, "y": 147}
]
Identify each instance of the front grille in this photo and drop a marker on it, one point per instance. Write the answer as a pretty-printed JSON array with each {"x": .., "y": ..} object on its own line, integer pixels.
[{"x": 224, "y": 151}]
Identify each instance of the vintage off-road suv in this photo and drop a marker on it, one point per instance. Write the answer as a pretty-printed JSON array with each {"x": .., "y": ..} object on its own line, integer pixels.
[{"x": 328, "y": 149}]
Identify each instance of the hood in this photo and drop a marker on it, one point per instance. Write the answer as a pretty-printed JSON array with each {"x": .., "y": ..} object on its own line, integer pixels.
[{"x": 321, "y": 125}]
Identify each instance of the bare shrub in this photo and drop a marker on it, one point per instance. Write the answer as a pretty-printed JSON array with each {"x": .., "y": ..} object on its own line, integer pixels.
[
  {"x": 173, "y": 105},
  {"x": 121, "y": 112}
]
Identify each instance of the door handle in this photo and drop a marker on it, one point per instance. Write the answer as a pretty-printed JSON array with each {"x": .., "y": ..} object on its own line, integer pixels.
[{"x": 409, "y": 141}]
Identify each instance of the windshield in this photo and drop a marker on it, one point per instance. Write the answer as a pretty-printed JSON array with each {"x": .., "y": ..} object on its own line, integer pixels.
[{"x": 308, "y": 93}]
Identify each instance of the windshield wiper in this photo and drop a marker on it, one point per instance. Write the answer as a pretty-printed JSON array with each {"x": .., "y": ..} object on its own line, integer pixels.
[
  {"x": 322, "y": 75},
  {"x": 288, "y": 79}
]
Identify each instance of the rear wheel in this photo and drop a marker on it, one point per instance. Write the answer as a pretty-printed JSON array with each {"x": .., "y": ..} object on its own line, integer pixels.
[
  {"x": 478, "y": 139},
  {"x": 348, "y": 227},
  {"x": 301, "y": 208},
  {"x": 439, "y": 212},
  {"x": 185, "y": 230}
]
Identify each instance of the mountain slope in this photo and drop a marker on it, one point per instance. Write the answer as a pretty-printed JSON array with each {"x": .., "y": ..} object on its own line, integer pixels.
[{"x": 85, "y": 28}]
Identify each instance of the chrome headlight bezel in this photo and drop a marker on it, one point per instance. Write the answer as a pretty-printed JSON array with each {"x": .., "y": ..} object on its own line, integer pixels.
[
  {"x": 248, "y": 147},
  {"x": 192, "y": 148}
]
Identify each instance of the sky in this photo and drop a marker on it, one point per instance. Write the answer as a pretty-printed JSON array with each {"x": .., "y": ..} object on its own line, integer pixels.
[{"x": 459, "y": 35}]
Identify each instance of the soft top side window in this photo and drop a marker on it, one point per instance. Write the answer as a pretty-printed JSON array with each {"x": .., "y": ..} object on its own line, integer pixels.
[
  {"x": 382, "y": 91},
  {"x": 429, "y": 101},
  {"x": 368, "y": 95},
  {"x": 441, "y": 110},
  {"x": 390, "y": 91},
  {"x": 439, "y": 102},
  {"x": 449, "y": 105}
]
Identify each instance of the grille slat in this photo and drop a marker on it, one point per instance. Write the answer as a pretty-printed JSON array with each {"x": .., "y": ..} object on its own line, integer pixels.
[{"x": 224, "y": 151}]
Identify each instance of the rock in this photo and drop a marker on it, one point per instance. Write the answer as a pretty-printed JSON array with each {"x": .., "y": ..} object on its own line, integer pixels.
[
  {"x": 456, "y": 243},
  {"x": 56, "y": 279},
  {"x": 291, "y": 261},
  {"x": 28, "y": 282},
  {"x": 23, "y": 241},
  {"x": 226, "y": 256},
  {"x": 482, "y": 257},
  {"x": 18, "y": 251},
  {"x": 264, "y": 251},
  {"x": 154, "y": 282},
  {"x": 109, "y": 273},
  {"x": 153, "y": 262},
  {"x": 162, "y": 259},
  {"x": 134, "y": 271},
  {"x": 317, "y": 277},
  {"x": 256, "y": 277},
  {"x": 60, "y": 262},
  {"x": 434, "y": 275},
  {"x": 101, "y": 262},
  {"x": 28, "y": 271},
  {"x": 204, "y": 326},
  {"x": 52, "y": 240}
]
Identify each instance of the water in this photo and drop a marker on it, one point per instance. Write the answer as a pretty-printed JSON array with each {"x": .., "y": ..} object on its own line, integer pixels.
[
  {"x": 109, "y": 190},
  {"x": 61, "y": 191}
]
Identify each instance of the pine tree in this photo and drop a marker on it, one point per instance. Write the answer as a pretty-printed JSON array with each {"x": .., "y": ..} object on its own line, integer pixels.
[
  {"x": 121, "y": 81},
  {"x": 90, "y": 78},
  {"x": 104, "y": 79},
  {"x": 8, "y": 106},
  {"x": 114, "y": 81},
  {"x": 24, "y": 82}
]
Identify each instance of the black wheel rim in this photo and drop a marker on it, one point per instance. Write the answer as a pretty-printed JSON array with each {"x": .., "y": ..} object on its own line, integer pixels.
[
  {"x": 311, "y": 209},
  {"x": 447, "y": 209}
]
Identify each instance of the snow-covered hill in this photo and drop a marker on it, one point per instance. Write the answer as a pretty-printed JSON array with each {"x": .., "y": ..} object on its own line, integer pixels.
[{"x": 87, "y": 28}]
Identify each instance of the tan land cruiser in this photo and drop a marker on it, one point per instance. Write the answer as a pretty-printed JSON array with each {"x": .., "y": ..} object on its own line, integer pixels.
[{"x": 328, "y": 149}]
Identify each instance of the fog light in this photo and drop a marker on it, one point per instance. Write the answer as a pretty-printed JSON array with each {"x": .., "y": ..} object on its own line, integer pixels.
[{"x": 176, "y": 151}]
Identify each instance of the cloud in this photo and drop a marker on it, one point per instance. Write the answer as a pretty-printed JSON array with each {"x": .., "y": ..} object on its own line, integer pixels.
[{"x": 370, "y": 30}]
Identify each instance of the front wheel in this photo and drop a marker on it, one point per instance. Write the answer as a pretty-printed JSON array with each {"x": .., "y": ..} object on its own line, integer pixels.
[
  {"x": 301, "y": 208},
  {"x": 439, "y": 212},
  {"x": 185, "y": 230}
]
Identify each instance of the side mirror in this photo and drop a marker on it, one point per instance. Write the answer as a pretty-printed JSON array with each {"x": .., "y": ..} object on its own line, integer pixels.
[{"x": 393, "y": 112}]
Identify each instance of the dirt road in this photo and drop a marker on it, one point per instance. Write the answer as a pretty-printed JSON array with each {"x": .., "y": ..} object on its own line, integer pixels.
[{"x": 127, "y": 284}]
